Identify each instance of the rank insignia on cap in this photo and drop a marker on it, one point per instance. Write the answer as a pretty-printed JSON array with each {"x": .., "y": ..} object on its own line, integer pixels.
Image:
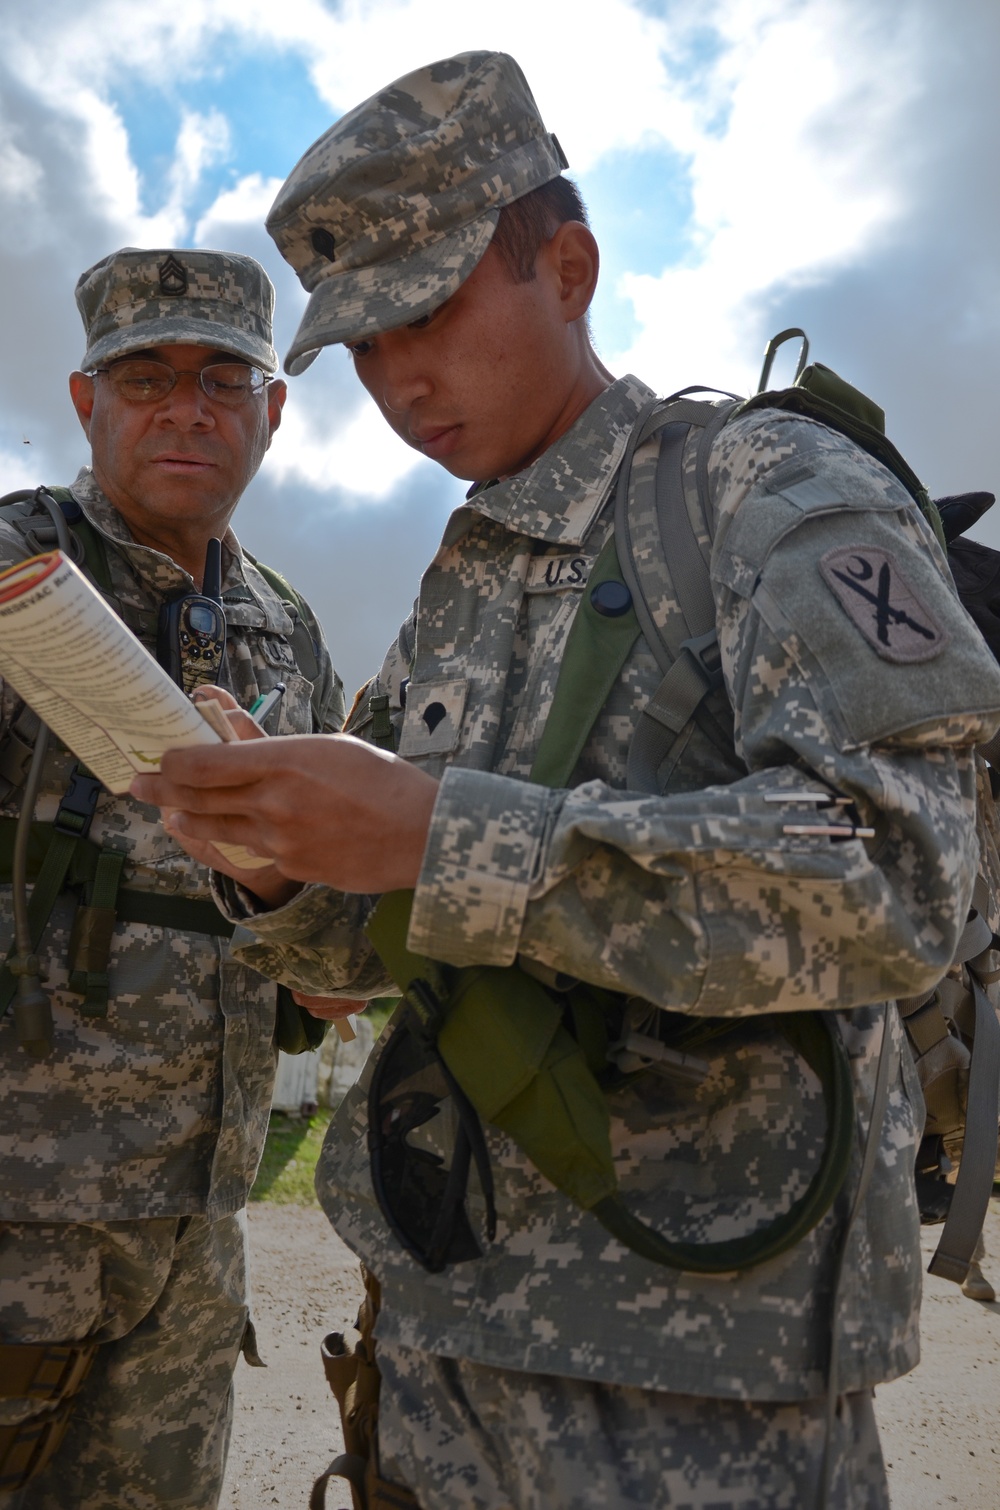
[
  {"x": 325, "y": 243},
  {"x": 173, "y": 277},
  {"x": 877, "y": 598}
]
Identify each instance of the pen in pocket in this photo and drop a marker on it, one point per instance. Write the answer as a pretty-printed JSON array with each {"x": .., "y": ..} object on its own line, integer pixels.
[{"x": 266, "y": 703}]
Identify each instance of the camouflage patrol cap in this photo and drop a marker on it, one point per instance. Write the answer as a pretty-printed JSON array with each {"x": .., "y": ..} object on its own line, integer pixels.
[
  {"x": 135, "y": 298},
  {"x": 391, "y": 209}
]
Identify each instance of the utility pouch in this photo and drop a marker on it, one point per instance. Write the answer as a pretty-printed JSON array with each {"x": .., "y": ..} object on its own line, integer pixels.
[
  {"x": 501, "y": 1036},
  {"x": 355, "y": 1381}
]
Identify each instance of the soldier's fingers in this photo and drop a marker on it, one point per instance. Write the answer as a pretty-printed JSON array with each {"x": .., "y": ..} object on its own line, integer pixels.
[
  {"x": 192, "y": 797},
  {"x": 219, "y": 695},
  {"x": 222, "y": 827}
]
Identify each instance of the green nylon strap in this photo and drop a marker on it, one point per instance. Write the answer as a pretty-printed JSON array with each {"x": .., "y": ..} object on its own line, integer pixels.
[
  {"x": 597, "y": 648},
  {"x": 90, "y": 943},
  {"x": 57, "y": 861},
  {"x": 95, "y": 555},
  {"x": 381, "y": 729},
  {"x": 51, "y": 878}
]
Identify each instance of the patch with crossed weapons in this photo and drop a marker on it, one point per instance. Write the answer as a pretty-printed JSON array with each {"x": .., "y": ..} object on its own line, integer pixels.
[{"x": 877, "y": 598}]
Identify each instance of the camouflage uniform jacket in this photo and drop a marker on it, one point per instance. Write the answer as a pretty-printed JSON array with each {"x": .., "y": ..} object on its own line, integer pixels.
[
  {"x": 695, "y": 901},
  {"x": 160, "y": 1108}
]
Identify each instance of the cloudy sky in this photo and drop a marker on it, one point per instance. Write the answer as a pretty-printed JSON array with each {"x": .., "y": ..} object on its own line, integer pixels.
[{"x": 749, "y": 164}]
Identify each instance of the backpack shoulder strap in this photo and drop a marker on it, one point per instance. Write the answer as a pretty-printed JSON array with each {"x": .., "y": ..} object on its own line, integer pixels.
[
  {"x": 599, "y": 643},
  {"x": 691, "y": 667},
  {"x": 40, "y": 534}
]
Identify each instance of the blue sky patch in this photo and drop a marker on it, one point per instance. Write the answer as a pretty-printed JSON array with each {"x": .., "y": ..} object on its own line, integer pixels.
[
  {"x": 268, "y": 100},
  {"x": 640, "y": 208}
]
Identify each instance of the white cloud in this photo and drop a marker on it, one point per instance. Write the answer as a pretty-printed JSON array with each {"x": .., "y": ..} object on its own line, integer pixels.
[
  {"x": 789, "y": 190},
  {"x": 20, "y": 175},
  {"x": 246, "y": 203},
  {"x": 361, "y": 454}
]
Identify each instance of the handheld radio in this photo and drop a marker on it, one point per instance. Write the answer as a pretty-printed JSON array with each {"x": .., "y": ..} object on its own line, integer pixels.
[{"x": 191, "y": 635}]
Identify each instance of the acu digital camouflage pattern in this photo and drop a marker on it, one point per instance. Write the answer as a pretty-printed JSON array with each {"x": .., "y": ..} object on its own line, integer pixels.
[
  {"x": 166, "y": 1299},
  {"x": 159, "y": 1109},
  {"x": 134, "y": 298},
  {"x": 391, "y": 209},
  {"x": 695, "y": 901},
  {"x": 465, "y": 1437}
]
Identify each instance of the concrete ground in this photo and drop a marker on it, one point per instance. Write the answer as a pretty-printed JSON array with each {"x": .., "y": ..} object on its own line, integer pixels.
[{"x": 939, "y": 1424}]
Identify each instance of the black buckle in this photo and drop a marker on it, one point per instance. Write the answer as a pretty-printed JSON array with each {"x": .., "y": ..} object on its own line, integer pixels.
[
  {"x": 705, "y": 650},
  {"x": 79, "y": 803}
]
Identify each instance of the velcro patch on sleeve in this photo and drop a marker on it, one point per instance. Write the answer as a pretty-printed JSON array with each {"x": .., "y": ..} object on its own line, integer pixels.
[{"x": 872, "y": 590}]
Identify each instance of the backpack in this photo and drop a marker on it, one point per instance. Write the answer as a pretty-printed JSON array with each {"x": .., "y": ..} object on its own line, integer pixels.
[{"x": 952, "y": 1031}]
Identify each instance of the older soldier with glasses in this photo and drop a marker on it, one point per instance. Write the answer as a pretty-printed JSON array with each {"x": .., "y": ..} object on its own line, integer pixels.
[{"x": 128, "y": 1149}]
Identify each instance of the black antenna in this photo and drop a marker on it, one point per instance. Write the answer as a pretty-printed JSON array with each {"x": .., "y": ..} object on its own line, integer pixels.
[{"x": 211, "y": 586}]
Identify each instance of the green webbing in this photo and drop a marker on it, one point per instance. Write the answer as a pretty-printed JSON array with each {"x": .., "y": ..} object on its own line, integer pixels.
[
  {"x": 597, "y": 648},
  {"x": 51, "y": 878},
  {"x": 57, "y": 861},
  {"x": 381, "y": 730},
  {"x": 90, "y": 941}
]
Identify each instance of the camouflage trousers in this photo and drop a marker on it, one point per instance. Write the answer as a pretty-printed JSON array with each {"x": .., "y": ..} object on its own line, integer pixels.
[
  {"x": 466, "y": 1437},
  {"x": 167, "y": 1301}
]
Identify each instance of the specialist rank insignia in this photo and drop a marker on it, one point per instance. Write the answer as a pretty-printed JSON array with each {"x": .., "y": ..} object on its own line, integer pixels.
[
  {"x": 877, "y": 598},
  {"x": 173, "y": 276}
]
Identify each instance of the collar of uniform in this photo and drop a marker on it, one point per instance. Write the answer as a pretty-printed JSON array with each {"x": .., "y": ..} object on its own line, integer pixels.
[
  {"x": 559, "y": 496},
  {"x": 248, "y": 603}
]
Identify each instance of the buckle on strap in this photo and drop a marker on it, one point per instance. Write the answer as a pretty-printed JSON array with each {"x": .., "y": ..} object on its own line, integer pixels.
[
  {"x": 704, "y": 650},
  {"x": 79, "y": 803}
]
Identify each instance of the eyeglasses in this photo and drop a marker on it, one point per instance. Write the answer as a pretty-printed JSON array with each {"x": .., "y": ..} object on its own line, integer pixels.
[{"x": 146, "y": 382}]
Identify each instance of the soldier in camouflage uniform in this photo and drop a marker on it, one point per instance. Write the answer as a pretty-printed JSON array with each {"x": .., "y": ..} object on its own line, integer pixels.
[
  {"x": 441, "y": 245},
  {"x": 128, "y": 1152}
]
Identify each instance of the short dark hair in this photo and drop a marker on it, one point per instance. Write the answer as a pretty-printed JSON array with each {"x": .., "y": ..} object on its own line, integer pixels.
[{"x": 532, "y": 220}]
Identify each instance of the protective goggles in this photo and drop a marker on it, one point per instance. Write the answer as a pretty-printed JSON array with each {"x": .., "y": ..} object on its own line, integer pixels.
[{"x": 422, "y": 1198}]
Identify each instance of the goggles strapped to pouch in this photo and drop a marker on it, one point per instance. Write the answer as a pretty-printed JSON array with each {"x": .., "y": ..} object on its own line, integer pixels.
[{"x": 423, "y": 1200}]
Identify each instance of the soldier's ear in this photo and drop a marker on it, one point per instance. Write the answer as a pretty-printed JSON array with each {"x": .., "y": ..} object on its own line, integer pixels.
[
  {"x": 277, "y": 392},
  {"x": 81, "y": 391},
  {"x": 573, "y": 257}
]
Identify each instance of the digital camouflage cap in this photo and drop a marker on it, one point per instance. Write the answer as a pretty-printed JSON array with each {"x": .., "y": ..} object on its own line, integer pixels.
[
  {"x": 391, "y": 209},
  {"x": 136, "y": 298}
]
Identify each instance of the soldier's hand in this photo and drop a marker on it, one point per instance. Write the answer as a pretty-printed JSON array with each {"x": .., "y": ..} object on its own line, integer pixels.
[
  {"x": 268, "y": 884},
  {"x": 322, "y": 807},
  {"x": 329, "y": 1008}
]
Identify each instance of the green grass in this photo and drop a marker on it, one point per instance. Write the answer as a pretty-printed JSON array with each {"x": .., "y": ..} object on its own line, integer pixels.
[{"x": 288, "y": 1167}]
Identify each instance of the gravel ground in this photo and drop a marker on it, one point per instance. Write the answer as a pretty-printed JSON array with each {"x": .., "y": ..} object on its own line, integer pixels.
[{"x": 938, "y": 1424}]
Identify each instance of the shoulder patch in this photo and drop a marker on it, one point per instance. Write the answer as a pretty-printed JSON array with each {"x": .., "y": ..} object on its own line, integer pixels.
[{"x": 872, "y": 590}]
